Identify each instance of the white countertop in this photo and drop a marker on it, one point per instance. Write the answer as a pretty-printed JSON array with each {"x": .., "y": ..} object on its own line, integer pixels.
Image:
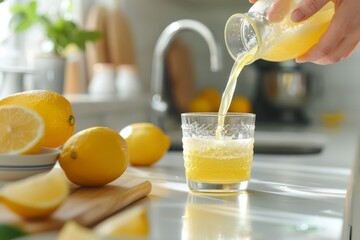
[{"x": 289, "y": 196}]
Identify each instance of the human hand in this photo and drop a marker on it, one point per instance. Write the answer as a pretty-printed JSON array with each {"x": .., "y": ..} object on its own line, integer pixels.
[
  {"x": 278, "y": 10},
  {"x": 342, "y": 36}
]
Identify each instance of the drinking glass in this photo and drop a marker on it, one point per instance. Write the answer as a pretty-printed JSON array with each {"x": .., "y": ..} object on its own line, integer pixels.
[{"x": 218, "y": 158}]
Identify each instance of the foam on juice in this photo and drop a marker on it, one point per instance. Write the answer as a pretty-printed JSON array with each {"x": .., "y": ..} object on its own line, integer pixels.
[{"x": 220, "y": 161}]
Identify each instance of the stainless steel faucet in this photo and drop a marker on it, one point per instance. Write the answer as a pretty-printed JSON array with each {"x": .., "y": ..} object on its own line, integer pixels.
[{"x": 159, "y": 105}]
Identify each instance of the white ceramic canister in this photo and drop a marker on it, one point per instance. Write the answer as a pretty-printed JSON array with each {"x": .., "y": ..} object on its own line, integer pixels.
[
  {"x": 49, "y": 72},
  {"x": 103, "y": 81},
  {"x": 127, "y": 81},
  {"x": 10, "y": 83}
]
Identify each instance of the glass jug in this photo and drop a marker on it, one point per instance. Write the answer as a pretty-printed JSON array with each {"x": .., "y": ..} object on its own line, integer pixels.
[{"x": 275, "y": 41}]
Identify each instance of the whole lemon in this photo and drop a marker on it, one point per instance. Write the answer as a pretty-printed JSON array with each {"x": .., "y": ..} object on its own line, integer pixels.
[
  {"x": 240, "y": 104},
  {"x": 147, "y": 143},
  {"x": 55, "y": 110},
  {"x": 94, "y": 156},
  {"x": 213, "y": 96},
  {"x": 200, "y": 104}
]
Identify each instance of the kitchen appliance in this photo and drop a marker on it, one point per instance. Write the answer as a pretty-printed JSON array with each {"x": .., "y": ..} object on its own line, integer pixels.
[{"x": 283, "y": 93}]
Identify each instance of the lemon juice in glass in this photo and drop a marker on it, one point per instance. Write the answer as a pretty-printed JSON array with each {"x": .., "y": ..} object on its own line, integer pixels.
[{"x": 218, "y": 159}]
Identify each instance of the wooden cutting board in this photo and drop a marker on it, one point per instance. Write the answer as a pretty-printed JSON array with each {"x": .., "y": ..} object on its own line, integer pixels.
[
  {"x": 87, "y": 206},
  {"x": 96, "y": 52},
  {"x": 119, "y": 37},
  {"x": 116, "y": 45}
]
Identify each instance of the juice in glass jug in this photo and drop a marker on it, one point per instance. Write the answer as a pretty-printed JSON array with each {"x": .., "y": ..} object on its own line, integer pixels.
[{"x": 274, "y": 41}]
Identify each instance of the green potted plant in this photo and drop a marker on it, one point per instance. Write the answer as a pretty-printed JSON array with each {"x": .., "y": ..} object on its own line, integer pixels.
[{"x": 61, "y": 34}]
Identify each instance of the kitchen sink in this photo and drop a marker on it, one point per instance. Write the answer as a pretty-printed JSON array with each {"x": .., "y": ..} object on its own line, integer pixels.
[
  {"x": 271, "y": 142},
  {"x": 275, "y": 142}
]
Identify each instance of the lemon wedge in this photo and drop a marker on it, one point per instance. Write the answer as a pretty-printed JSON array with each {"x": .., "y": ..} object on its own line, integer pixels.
[
  {"x": 37, "y": 196},
  {"x": 132, "y": 222},
  {"x": 73, "y": 230}
]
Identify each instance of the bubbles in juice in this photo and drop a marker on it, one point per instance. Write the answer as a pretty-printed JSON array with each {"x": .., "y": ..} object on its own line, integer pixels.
[{"x": 218, "y": 161}]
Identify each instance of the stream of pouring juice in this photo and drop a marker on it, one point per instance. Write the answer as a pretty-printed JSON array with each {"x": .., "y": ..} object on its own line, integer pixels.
[
  {"x": 228, "y": 93},
  {"x": 221, "y": 160}
]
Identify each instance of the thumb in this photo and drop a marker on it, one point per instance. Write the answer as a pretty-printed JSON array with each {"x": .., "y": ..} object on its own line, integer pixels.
[
  {"x": 278, "y": 10},
  {"x": 307, "y": 8}
]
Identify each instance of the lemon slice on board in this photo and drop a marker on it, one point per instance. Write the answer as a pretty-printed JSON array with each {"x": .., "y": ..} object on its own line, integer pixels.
[
  {"x": 73, "y": 230},
  {"x": 21, "y": 130},
  {"x": 132, "y": 222},
  {"x": 37, "y": 196}
]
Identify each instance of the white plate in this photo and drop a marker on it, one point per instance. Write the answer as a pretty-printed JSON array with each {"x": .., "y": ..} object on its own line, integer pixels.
[
  {"x": 47, "y": 156},
  {"x": 7, "y": 175},
  {"x": 54, "y": 235}
]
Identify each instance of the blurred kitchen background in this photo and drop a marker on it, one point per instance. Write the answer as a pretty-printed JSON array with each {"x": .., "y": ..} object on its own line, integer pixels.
[{"x": 137, "y": 25}]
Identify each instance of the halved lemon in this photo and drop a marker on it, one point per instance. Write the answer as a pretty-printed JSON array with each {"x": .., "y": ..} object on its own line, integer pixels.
[
  {"x": 132, "y": 222},
  {"x": 37, "y": 196},
  {"x": 21, "y": 130}
]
